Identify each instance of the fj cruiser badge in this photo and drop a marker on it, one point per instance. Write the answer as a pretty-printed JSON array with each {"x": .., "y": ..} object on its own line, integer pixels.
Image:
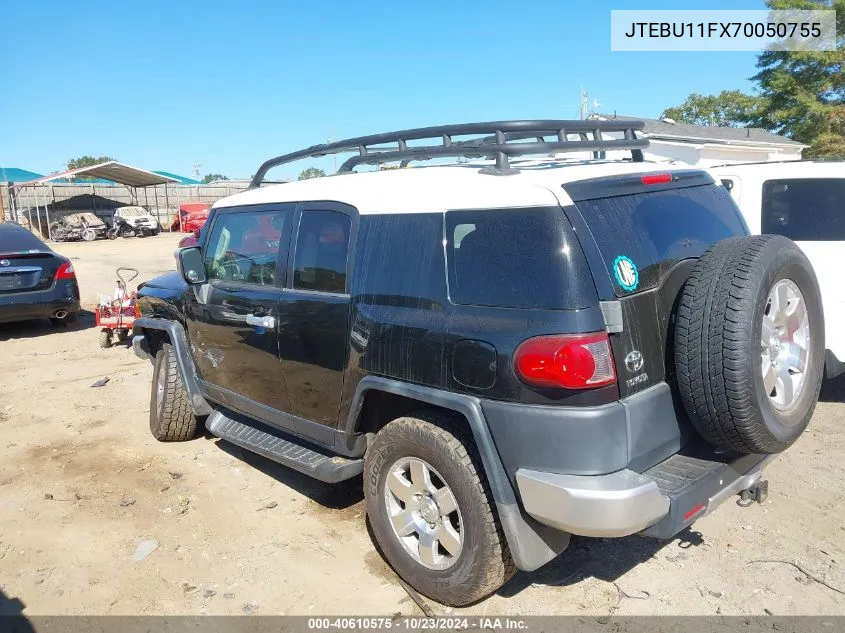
[{"x": 626, "y": 273}]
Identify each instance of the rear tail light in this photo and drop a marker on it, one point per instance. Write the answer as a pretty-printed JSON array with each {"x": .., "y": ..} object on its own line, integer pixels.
[
  {"x": 656, "y": 179},
  {"x": 66, "y": 271},
  {"x": 570, "y": 361}
]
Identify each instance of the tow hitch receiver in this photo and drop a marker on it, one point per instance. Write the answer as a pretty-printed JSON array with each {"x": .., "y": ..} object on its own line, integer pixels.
[{"x": 759, "y": 492}]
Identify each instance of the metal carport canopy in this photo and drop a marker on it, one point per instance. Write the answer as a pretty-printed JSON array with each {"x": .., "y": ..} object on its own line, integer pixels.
[{"x": 112, "y": 170}]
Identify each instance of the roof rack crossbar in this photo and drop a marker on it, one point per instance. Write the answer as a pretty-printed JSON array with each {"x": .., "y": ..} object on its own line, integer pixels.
[{"x": 503, "y": 139}]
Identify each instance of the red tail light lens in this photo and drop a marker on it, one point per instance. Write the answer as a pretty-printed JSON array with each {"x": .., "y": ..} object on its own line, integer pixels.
[
  {"x": 66, "y": 271},
  {"x": 570, "y": 361},
  {"x": 656, "y": 179}
]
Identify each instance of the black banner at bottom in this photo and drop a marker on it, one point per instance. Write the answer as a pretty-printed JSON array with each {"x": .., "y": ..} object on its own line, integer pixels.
[{"x": 528, "y": 624}]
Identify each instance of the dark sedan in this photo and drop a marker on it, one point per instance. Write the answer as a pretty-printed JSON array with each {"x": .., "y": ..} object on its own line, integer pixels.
[{"x": 35, "y": 282}]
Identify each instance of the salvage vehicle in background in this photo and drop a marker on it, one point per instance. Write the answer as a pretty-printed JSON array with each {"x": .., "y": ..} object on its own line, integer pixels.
[
  {"x": 78, "y": 226},
  {"x": 35, "y": 282},
  {"x": 804, "y": 201},
  {"x": 139, "y": 219},
  {"x": 511, "y": 350}
]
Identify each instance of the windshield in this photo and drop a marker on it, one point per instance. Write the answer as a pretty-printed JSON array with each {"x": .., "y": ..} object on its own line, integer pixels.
[{"x": 131, "y": 212}]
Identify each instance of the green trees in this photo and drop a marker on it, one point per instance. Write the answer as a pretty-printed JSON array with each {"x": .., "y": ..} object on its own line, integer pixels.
[{"x": 800, "y": 94}]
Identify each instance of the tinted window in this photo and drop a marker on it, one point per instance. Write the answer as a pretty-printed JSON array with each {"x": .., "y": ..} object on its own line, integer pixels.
[
  {"x": 244, "y": 246},
  {"x": 322, "y": 246},
  {"x": 14, "y": 239},
  {"x": 807, "y": 209},
  {"x": 520, "y": 258},
  {"x": 655, "y": 230},
  {"x": 410, "y": 244}
]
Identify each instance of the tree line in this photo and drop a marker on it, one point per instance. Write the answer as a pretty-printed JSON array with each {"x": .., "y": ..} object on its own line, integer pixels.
[{"x": 798, "y": 94}]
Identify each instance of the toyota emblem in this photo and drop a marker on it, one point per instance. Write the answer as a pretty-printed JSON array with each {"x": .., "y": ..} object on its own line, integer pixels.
[
  {"x": 634, "y": 361},
  {"x": 4, "y": 262}
]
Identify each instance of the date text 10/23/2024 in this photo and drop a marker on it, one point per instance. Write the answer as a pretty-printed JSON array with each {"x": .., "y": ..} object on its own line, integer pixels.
[{"x": 418, "y": 624}]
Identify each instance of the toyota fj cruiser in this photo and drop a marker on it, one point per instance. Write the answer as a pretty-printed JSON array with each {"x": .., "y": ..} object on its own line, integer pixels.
[{"x": 512, "y": 349}]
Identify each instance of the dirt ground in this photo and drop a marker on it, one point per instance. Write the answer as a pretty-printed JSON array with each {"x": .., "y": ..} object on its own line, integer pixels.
[{"x": 84, "y": 488}]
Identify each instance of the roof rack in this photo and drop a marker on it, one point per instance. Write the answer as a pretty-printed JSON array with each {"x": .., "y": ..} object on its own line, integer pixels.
[{"x": 497, "y": 140}]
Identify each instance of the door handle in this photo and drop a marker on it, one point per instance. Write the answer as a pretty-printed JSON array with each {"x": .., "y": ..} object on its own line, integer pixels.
[{"x": 261, "y": 321}]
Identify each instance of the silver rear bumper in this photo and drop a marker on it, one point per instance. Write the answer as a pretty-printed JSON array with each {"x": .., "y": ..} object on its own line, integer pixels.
[{"x": 621, "y": 503}]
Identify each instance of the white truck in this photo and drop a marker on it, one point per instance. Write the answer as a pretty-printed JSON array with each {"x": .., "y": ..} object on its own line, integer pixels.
[
  {"x": 139, "y": 219},
  {"x": 804, "y": 201}
]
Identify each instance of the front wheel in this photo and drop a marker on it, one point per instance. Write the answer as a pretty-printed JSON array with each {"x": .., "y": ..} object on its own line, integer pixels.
[
  {"x": 89, "y": 235},
  {"x": 113, "y": 233},
  {"x": 171, "y": 417},
  {"x": 431, "y": 510}
]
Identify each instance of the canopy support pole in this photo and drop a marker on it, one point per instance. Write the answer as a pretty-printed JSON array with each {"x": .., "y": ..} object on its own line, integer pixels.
[{"x": 158, "y": 211}]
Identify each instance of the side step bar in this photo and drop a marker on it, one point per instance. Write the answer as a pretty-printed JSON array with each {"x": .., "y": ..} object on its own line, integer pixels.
[{"x": 285, "y": 449}]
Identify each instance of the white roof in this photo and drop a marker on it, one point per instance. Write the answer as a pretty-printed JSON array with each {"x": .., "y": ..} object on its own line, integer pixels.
[
  {"x": 785, "y": 169},
  {"x": 435, "y": 189}
]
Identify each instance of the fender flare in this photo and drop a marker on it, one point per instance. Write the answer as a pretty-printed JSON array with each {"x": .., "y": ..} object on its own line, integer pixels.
[
  {"x": 179, "y": 343},
  {"x": 532, "y": 544}
]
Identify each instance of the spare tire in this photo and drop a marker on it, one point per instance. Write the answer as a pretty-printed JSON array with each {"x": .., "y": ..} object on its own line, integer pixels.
[{"x": 749, "y": 344}]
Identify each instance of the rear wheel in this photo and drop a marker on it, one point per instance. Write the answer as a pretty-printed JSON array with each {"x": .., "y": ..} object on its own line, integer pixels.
[
  {"x": 749, "y": 344},
  {"x": 431, "y": 510},
  {"x": 171, "y": 417}
]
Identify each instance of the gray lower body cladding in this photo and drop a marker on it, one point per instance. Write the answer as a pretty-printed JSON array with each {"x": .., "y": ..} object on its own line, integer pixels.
[{"x": 634, "y": 433}]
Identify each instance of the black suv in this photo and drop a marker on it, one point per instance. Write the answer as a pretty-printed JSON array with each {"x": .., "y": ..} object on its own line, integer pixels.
[{"x": 511, "y": 348}]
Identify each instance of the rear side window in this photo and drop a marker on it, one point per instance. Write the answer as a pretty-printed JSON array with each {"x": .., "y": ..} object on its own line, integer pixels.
[
  {"x": 410, "y": 244},
  {"x": 806, "y": 209},
  {"x": 514, "y": 258},
  {"x": 642, "y": 235}
]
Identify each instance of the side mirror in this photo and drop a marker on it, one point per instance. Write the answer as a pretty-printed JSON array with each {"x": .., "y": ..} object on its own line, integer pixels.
[{"x": 191, "y": 265}]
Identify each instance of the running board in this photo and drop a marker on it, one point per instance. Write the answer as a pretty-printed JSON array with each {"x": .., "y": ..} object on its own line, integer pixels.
[{"x": 285, "y": 449}]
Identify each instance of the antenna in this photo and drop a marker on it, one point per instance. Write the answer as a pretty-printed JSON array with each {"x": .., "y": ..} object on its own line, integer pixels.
[
  {"x": 196, "y": 171},
  {"x": 585, "y": 105}
]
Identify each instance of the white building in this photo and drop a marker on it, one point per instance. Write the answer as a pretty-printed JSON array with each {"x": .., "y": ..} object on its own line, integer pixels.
[{"x": 706, "y": 146}]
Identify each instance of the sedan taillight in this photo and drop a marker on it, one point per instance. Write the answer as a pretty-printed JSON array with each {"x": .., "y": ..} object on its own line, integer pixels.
[{"x": 66, "y": 271}]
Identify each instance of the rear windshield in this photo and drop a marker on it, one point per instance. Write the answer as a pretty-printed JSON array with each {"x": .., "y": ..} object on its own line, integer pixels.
[
  {"x": 806, "y": 209},
  {"x": 514, "y": 258},
  {"x": 14, "y": 239},
  {"x": 642, "y": 235}
]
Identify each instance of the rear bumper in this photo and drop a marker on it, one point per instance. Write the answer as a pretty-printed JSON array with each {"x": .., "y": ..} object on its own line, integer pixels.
[
  {"x": 660, "y": 502},
  {"x": 40, "y": 304}
]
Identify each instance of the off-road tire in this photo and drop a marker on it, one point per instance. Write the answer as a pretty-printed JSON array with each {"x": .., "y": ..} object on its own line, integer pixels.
[
  {"x": 105, "y": 338},
  {"x": 171, "y": 417},
  {"x": 718, "y": 349},
  {"x": 485, "y": 561}
]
